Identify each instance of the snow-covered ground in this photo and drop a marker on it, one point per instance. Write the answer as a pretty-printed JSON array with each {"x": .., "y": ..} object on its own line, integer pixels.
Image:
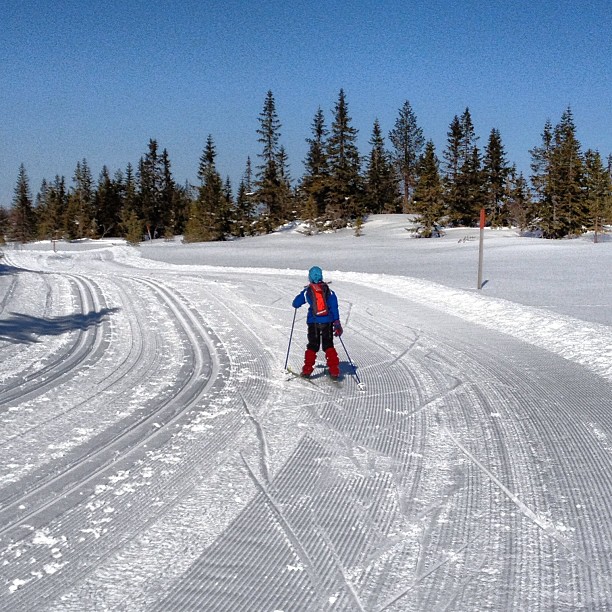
[{"x": 154, "y": 454}]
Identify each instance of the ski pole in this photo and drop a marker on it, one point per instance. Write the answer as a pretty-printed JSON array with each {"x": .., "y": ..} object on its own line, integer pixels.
[
  {"x": 290, "y": 336},
  {"x": 359, "y": 383}
]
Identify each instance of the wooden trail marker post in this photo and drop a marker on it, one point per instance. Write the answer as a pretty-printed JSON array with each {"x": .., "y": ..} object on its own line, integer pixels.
[{"x": 481, "y": 247}]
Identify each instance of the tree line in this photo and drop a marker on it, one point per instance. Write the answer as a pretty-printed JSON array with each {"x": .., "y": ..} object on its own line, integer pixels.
[{"x": 568, "y": 192}]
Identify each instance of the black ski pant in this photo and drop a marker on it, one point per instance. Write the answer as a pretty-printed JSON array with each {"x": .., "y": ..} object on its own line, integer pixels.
[{"x": 320, "y": 335}]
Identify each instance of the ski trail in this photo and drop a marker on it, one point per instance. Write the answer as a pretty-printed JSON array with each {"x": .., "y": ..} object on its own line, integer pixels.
[
  {"x": 301, "y": 552},
  {"x": 528, "y": 512},
  {"x": 264, "y": 454}
]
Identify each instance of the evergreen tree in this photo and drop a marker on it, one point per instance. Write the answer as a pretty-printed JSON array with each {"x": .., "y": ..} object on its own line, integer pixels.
[
  {"x": 4, "y": 226},
  {"x": 107, "y": 204},
  {"x": 169, "y": 202},
  {"x": 40, "y": 211},
  {"x": 207, "y": 213},
  {"x": 464, "y": 188},
  {"x": 244, "y": 214},
  {"x": 381, "y": 189},
  {"x": 228, "y": 216},
  {"x": 79, "y": 209},
  {"x": 285, "y": 191},
  {"x": 545, "y": 213},
  {"x": 428, "y": 200},
  {"x": 558, "y": 180},
  {"x": 495, "y": 174},
  {"x": 519, "y": 204},
  {"x": 407, "y": 140},
  {"x": 153, "y": 205},
  {"x": 51, "y": 209},
  {"x": 270, "y": 185},
  {"x": 598, "y": 192},
  {"x": 568, "y": 177},
  {"x": 314, "y": 185},
  {"x": 23, "y": 220},
  {"x": 345, "y": 185}
]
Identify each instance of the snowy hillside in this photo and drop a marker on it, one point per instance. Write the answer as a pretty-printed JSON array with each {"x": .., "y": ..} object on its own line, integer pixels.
[{"x": 154, "y": 454}]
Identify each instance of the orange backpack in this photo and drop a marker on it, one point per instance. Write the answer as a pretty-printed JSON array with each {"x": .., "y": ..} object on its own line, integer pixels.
[{"x": 320, "y": 291}]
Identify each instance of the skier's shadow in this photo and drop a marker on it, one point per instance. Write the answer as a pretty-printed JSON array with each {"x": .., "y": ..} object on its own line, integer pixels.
[
  {"x": 346, "y": 369},
  {"x": 25, "y": 329}
]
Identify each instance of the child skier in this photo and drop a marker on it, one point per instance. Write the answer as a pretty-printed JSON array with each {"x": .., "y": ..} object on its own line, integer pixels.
[{"x": 323, "y": 322}]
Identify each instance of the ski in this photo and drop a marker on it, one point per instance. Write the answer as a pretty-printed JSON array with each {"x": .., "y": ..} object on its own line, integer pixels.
[{"x": 317, "y": 381}]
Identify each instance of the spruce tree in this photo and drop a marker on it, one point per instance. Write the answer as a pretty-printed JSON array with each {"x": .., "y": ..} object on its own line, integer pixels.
[
  {"x": 169, "y": 202},
  {"x": 598, "y": 193},
  {"x": 345, "y": 184},
  {"x": 51, "y": 209},
  {"x": 428, "y": 200},
  {"x": 568, "y": 177},
  {"x": 207, "y": 213},
  {"x": 79, "y": 209},
  {"x": 270, "y": 185},
  {"x": 4, "y": 226},
  {"x": 495, "y": 175},
  {"x": 244, "y": 214},
  {"x": 381, "y": 188},
  {"x": 407, "y": 140},
  {"x": 23, "y": 219},
  {"x": 544, "y": 215},
  {"x": 150, "y": 191},
  {"x": 464, "y": 180},
  {"x": 315, "y": 181},
  {"x": 107, "y": 204},
  {"x": 519, "y": 204}
]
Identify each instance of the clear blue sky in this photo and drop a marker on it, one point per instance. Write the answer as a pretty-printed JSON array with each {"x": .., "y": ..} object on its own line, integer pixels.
[{"x": 98, "y": 80}]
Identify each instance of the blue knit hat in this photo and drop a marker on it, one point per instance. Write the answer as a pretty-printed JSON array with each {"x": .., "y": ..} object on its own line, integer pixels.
[{"x": 315, "y": 274}]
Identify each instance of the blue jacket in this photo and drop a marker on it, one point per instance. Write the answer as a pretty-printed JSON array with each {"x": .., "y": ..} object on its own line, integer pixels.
[{"x": 305, "y": 296}]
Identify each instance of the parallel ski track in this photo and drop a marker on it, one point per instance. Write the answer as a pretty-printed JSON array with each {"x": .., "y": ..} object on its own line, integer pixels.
[
  {"x": 86, "y": 346},
  {"x": 135, "y": 441},
  {"x": 133, "y": 368},
  {"x": 57, "y": 489}
]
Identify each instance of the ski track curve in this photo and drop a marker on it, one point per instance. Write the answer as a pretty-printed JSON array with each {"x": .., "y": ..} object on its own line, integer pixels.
[{"x": 472, "y": 473}]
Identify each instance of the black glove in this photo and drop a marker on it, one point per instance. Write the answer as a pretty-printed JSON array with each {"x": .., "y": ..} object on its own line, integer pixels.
[{"x": 337, "y": 328}]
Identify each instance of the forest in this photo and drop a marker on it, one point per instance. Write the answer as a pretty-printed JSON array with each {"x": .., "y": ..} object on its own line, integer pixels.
[{"x": 568, "y": 192}]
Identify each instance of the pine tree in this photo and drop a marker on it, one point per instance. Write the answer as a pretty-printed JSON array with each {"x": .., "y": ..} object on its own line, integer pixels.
[
  {"x": 428, "y": 200},
  {"x": 381, "y": 189},
  {"x": 345, "y": 185},
  {"x": 408, "y": 141},
  {"x": 23, "y": 220},
  {"x": 270, "y": 186},
  {"x": 315, "y": 181},
  {"x": 495, "y": 174}
]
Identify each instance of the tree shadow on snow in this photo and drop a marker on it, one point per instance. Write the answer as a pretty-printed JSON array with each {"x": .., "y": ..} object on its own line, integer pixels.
[
  {"x": 8, "y": 270},
  {"x": 25, "y": 329}
]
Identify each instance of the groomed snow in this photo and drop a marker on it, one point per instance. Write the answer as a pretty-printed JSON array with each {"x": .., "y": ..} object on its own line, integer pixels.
[{"x": 154, "y": 455}]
